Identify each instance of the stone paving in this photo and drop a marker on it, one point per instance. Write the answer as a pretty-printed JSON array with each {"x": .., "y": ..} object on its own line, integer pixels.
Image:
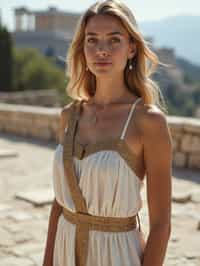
[{"x": 26, "y": 176}]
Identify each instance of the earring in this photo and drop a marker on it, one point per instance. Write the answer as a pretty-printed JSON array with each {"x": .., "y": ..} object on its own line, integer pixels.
[{"x": 130, "y": 65}]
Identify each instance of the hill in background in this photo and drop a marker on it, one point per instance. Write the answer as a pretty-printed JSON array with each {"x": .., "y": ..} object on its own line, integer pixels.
[{"x": 179, "y": 32}]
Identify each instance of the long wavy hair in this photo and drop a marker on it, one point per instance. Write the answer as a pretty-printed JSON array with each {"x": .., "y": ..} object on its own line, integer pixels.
[{"x": 82, "y": 83}]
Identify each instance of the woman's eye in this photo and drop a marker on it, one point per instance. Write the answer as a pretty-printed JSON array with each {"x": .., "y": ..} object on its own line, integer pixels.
[
  {"x": 91, "y": 40},
  {"x": 115, "y": 40}
]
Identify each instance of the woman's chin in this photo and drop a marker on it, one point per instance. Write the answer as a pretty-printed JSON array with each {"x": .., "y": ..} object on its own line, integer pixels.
[{"x": 102, "y": 71}]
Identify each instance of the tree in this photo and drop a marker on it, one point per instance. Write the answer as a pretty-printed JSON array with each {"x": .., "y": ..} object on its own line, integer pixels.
[
  {"x": 6, "y": 61},
  {"x": 33, "y": 71}
]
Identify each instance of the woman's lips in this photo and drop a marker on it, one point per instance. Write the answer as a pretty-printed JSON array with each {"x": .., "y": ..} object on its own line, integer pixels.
[{"x": 102, "y": 63}]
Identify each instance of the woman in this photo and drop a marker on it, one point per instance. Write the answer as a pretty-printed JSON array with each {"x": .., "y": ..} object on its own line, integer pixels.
[{"x": 112, "y": 135}]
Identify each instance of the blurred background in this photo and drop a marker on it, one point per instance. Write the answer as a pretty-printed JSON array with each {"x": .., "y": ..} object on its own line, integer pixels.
[
  {"x": 34, "y": 39},
  {"x": 39, "y": 32}
]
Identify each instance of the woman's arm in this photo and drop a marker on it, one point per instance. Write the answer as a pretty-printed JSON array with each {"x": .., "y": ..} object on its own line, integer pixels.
[
  {"x": 52, "y": 227},
  {"x": 56, "y": 208},
  {"x": 157, "y": 144}
]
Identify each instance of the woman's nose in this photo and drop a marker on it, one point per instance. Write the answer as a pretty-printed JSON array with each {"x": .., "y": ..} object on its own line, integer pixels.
[
  {"x": 102, "y": 49},
  {"x": 102, "y": 53}
]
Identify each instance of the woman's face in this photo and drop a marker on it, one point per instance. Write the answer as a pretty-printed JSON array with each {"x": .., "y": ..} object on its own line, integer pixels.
[{"x": 106, "y": 45}]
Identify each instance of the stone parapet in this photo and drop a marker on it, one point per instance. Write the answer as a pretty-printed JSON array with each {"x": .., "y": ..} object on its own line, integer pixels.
[
  {"x": 43, "y": 123},
  {"x": 30, "y": 121},
  {"x": 47, "y": 98},
  {"x": 186, "y": 141}
]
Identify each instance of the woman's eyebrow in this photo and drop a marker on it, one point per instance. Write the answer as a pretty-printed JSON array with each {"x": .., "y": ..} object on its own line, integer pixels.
[{"x": 110, "y": 33}]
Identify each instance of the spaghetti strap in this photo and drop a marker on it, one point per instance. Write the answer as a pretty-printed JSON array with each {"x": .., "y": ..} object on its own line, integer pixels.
[{"x": 129, "y": 117}]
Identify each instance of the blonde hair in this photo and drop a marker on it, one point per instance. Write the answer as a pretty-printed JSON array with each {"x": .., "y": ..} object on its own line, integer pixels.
[{"x": 82, "y": 83}]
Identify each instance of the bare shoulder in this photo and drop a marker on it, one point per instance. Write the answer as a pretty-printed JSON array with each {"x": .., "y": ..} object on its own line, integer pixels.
[
  {"x": 156, "y": 140},
  {"x": 152, "y": 120},
  {"x": 64, "y": 118}
]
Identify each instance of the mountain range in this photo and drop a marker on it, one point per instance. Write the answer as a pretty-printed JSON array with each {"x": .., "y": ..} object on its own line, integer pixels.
[{"x": 179, "y": 32}]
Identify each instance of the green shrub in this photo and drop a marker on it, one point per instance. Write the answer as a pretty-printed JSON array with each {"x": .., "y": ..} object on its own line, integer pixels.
[{"x": 33, "y": 71}]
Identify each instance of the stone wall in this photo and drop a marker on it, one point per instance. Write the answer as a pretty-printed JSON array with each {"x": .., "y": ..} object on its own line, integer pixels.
[
  {"x": 48, "y": 97},
  {"x": 30, "y": 121},
  {"x": 43, "y": 123},
  {"x": 186, "y": 141}
]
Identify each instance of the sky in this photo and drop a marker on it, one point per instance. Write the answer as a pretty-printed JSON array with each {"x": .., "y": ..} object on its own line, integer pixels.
[{"x": 144, "y": 10}]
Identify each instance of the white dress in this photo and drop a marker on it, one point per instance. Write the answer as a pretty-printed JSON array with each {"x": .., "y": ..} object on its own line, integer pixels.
[{"x": 110, "y": 188}]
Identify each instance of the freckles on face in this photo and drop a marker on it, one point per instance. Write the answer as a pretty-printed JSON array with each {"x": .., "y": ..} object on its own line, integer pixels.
[
  {"x": 104, "y": 32},
  {"x": 112, "y": 47}
]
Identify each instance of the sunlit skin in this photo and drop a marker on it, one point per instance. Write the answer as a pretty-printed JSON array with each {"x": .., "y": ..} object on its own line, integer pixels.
[
  {"x": 106, "y": 43},
  {"x": 147, "y": 136},
  {"x": 107, "y": 40}
]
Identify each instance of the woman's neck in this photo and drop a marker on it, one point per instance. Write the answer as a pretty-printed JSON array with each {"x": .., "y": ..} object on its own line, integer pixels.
[{"x": 110, "y": 91}]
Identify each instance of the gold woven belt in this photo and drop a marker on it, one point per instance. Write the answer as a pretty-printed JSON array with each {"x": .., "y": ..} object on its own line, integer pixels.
[{"x": 85, "y": 222}]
